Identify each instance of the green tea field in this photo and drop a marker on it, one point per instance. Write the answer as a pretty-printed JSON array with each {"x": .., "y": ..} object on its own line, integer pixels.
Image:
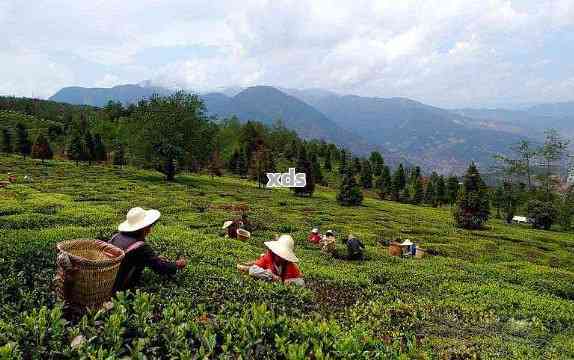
[{"x": 503, "y": 292}]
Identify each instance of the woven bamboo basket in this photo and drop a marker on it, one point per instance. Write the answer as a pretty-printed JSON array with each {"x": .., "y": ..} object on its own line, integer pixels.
[
  {"x": 395, "y": 249},
  {"x": 87, "y": 270},
  {"x": 243, "y": 234}
]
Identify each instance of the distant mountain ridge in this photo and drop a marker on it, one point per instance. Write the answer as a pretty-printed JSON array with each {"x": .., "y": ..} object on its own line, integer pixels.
[{"x": 403, "y": 129}]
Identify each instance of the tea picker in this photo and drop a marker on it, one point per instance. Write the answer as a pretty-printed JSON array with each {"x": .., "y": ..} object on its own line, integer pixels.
[{"x": 279, "y": 263}]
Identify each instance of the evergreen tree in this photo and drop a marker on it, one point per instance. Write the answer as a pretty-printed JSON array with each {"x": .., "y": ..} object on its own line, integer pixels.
[
  {"x": 440, "y": 191},
  {"x": 384, "y": 183},
  {"x": 357, "y": 168},
  {"x": 328, "y": 166},
  {"x": 452, "y": 190},
  {"x": 415, "y": 175},
  {"x": 41, "y": 148},
  {"x": 316, "y": 166},
  {"x": 100, "y": 153},
  {"x": 6, "y": 141},
  {"x": 398, "y": 183},
  {"x": 418, "y": 192},
  {"x": 23, "y": 145},
  {"x": 430, "y": 193},
  {"x": 215, "y": 164},
  {"x": 497, "y": 200},
  {"x": 304, "y": 166},
  {"x": 343, "y": 162},
  {"x": 90, "y": 147},
  {"x": 242, "y": 164},
  {"x": 119, "y": 155},
  {"x": 350, "y": 193},
  {"x": 76, "y": 148},
  {"x": 232, "y": 164},
  {"x": 377, "y": 163},
  {"x": 366, "y": 175},
  {"x": 473, "y": 208}
]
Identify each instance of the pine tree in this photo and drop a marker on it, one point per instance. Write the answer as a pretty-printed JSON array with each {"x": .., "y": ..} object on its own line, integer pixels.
[
  {"x": 473, "y": 208},
  {"x": 76, "y": 148},
  {"x": 119, "y": 155},
  {"x": 350, "y": 193},
  {"x": 100, "y": 153},
  {"x": 430, "y": 193},
  {"x": 398, "y": 183},
  {"x": 357, "y": 167},
  {"x": 415, "y": 175},
  {"x": 232, "y": 164},
  {"x": 440, "y": 191},
  {"x": 242, "y": 164},
  {"x": 451, "y": 190},
  {"x": 6, "y": 141},
  {"x": 215, "y": 164},
  {"x": 90, "y": 147},
  {"x": 418, "y": 192},
  {"x": 377, "y": 163},
  {"x": 304, "y": 166},
  {"x": 343, "y": 162},
  {"x": 23, "y": 144},
  {"x": 384, "y": 183},
  {"x": 41, "y": 148},
  {"x": 328, "y": 166},
  {"x": 316, "y": 167},
  {"x": 366, "y": 175}
]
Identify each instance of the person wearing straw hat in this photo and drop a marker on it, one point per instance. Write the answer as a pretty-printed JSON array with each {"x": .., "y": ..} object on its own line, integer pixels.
[
  {"x": 314, "y": 237},
  {"x": 139, "y": 255},
  {"x": 354, "y": 248},
  {"x": 232, "y": 226},
  {"x": 279, "y": 263},
  {"x": 329, "y": 243},
  {"x": 409, "y": 248}
]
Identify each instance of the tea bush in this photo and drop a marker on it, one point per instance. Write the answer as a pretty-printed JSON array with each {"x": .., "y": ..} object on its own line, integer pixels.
[{"x": 505, "y": 291}]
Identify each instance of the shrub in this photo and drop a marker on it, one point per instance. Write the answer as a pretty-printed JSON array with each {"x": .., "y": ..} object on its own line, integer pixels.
[{"x": 542, "y": 213}]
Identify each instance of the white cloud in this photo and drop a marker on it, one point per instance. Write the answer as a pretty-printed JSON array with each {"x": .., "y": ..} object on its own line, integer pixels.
[{"x": 446, "y": 52}]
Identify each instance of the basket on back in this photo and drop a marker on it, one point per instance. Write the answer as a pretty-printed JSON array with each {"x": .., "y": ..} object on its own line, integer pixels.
[
  {"x": 243, "y": 234},
  {"x": 395, "y": 249},
  {"x": 87, "y": 271}
]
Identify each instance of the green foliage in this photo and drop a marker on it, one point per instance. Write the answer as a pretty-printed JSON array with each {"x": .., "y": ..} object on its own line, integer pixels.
[
  {"x": 41, "y": 148},
  {"x": 366, "y": 175},
  {"x": 350, "y": 193},
  {"x": 304, "y": 165},
  {"x": 452, "y": 188},
  {"x": 418, "y": 192},
  {"x": 542, "y": 213},
  {"x": 6, "y": 141},
  {"x": 384, "y": 183},
  {"x": 486, "y": 294},
  {"x": 23, "y": 144},
  {"x": 473, "y": 207},
  {"x": 398, "y": 182}
]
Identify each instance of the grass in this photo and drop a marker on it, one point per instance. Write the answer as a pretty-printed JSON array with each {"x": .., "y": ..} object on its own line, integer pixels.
[{"x": 506, "y": 291}]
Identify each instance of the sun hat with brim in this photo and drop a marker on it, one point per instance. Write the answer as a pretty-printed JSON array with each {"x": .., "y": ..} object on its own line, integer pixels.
[
  {"x": 138, "y": 218},
  {"x": 315, "y": 231},
  {"x": 227, "y": 224},
  {"x": 407, "y": 242},
  {"x": 283, "y": 247},
  {"x": 329, "y": 232}
]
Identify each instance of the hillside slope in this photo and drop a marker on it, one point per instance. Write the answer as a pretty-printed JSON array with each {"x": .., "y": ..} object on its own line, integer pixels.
[
  {"x": 503, "y": 292},
  {"x": 440, "y": 139}
]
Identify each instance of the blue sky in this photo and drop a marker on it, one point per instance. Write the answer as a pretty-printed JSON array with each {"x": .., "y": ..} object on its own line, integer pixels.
[{"x": 442, "y": 52}]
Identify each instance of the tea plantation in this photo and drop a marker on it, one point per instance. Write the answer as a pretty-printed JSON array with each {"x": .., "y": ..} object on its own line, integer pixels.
[{"x": 503, "y": 292}]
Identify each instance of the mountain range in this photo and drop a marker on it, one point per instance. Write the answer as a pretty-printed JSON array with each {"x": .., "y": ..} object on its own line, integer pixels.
[{"x": 404, "y": 130}]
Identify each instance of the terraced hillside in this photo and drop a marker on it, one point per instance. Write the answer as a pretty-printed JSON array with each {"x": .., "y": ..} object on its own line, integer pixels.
[{"x": 502, "y": 292}]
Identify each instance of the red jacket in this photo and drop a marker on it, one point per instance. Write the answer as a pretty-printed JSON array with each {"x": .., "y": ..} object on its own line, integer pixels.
[
  {"x": 314, "y": 238},
  {"x": 291, "y": 270}
]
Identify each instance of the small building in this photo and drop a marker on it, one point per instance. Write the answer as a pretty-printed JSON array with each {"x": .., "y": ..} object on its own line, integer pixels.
[{"x": 520, "y": 220}]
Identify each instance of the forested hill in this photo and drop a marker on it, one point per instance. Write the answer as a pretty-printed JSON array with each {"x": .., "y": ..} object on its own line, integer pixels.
[{"x": 402, "y": 129}]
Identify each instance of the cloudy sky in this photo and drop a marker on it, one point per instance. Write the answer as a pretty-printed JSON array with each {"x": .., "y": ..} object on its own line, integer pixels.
[{"x": 443, "y": 52}]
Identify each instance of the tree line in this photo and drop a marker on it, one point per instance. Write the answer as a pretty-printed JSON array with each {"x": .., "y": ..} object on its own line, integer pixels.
[{"x": 174, "y": 133}]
